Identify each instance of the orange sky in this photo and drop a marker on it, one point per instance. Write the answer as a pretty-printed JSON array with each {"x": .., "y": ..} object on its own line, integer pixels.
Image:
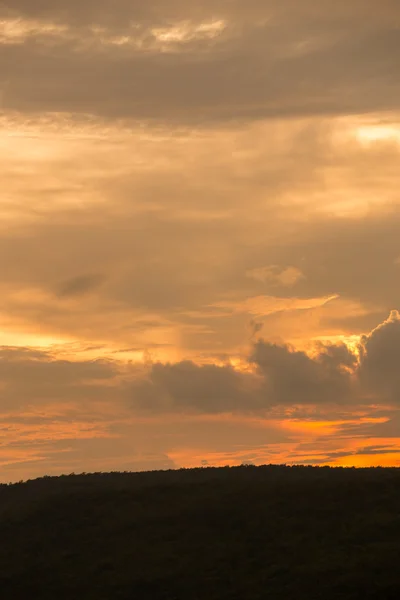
[{"x": 199, "y": 234}]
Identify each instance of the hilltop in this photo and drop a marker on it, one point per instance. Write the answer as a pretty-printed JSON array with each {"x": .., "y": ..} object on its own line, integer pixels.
[{"x": 215, "y": 533}]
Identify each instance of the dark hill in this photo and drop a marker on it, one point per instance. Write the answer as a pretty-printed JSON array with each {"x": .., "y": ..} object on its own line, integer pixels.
[{"x": 233, "y": 533}]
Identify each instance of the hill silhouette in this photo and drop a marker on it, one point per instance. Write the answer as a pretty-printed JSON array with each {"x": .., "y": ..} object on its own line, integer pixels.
[{"x": 213, "y": 533}]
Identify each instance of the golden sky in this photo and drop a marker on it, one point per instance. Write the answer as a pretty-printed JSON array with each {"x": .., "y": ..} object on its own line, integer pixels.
[{"x": 199, "y": 234}]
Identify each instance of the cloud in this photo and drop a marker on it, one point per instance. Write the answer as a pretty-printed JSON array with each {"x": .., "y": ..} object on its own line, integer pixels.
[
  {"x": 186, "y": 386},
  {"x": 79, "y": 285},
  {"x": 342, "y": 256},
  {"x": 379, "y": 367},
  {"x": 175, "y": 219},
  {"x": 37, "y": 377},
  {"x": 128, "y": 415},
  {"x": 255, "y": 327},
  {"x": 267, "y": 305},
  {"x": 283, "y": 377},
  {"x": 293, "y": 377},
  {"x": 273, "y": 375},
  {"x": 175, "y": 64},
  {"x": 274, "y": 275},
  {"x": 180, "y": 177},
  {"x": 333, "y": 375}
]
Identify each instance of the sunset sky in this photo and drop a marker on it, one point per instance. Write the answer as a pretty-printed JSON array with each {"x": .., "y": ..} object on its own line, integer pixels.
[{"x": 199, "y": 234}]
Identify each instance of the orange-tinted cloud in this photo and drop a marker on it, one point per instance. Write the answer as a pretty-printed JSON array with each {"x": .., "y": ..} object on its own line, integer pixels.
[{"x": 180, "y": 179}]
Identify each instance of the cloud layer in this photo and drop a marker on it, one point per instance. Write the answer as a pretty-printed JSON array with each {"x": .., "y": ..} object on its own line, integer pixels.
[
  {"x": 281, "y": 405},
  {"x": 199, "y": 225},
  {"x": 212, "y": 62},
  {"x": 272, "y": 376}
]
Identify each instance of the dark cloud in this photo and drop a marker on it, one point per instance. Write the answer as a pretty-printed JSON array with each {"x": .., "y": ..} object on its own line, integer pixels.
[
  {"x": 380, "y": 360},
  {"x": 283, "y": 377},
  {"x": 31, "y": 365},
  {"x": 337, "y": 357},
  {"x": 120, "y": 13},
  {"x": 292, "y": 377},
  {"x": 29, "y": 376},
  {"x": 80, "y": 285},
  {"x": 255, "y": 327},
  {"x": 379, "y": 449},
  {"x": 330, "y": 457},
  {"x": 289, "y": 62},
  {"x": 186, "y": 386},
  {"x": 107, "y": 12}
]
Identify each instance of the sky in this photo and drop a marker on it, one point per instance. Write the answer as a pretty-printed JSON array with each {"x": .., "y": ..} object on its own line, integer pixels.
[{"x": 199, "y": 234}]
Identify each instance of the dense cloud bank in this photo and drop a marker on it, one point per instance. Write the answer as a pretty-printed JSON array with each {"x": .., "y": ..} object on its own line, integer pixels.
[
  {"x": 275, "y": 376},
  {"x": 183, "y": 62}
]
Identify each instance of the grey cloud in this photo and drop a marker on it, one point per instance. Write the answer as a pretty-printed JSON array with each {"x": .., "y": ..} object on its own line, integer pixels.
[
  {"x": 121, "y": 11},
  {"x": 292, "y": 377},
  {"x": 30, "y": 376},
  {"x": 80, "y": 285},
  {"x": 186, "y": 386},
  {"x": 371, "y": 450},
  {"x": 379, "y": 368},
  {"x": 336, "y": 357},
  {"x": 337, "y": 67},
  {"x": 115, "y": 13},
  {"x": 20, "y": 355},
  {"x": 15, "y": 363},
  {"x": 282, "y": 377},
  {"x": 364, "y": 451},
  {"x": 255, "y": 327}
]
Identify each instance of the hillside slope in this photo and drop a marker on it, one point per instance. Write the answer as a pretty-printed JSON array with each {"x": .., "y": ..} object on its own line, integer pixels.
[{"x": 216, "y": 534}]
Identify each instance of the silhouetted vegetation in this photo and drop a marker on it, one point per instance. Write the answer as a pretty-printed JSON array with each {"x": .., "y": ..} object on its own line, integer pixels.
[{"x": 239, "y": 533}]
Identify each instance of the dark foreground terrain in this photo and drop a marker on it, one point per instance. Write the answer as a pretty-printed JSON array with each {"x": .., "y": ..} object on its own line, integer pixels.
[{"x": 217, "y": 534}]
